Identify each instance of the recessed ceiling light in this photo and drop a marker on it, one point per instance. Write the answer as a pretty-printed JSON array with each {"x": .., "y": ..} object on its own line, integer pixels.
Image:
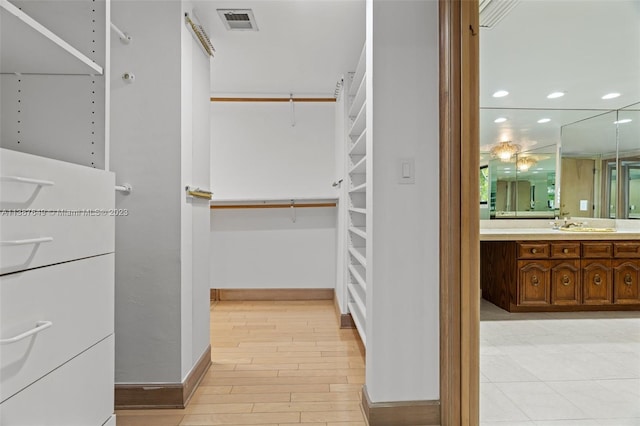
[
  {"x": 624, "y": 120},
  {"x": 500, "y": 94},
  {"x": 507, "y": 168},
  {"x": 507, "y": 171},
  {"x": 555, "y": 95},
  {"x": 500, "y": 120},
  {"x": 544, "y": 120},
  {"x": 536, "y": 172},
  {"x": 611, "y": 95}
]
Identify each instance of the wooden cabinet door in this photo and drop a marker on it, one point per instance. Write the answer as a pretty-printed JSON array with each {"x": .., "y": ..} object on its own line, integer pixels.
[
  {"x": 565, "y": 283},
  {"x": 533, "y": 282},
  {"x": 597, "y": 285},
  {"x": 626, "y": 274}
]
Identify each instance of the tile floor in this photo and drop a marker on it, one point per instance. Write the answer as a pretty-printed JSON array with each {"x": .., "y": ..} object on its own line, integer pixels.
[{"x": 559, "y": 369}]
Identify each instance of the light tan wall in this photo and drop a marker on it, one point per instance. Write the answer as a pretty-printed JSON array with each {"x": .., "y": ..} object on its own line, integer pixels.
[{"x": 576, "y": 184}]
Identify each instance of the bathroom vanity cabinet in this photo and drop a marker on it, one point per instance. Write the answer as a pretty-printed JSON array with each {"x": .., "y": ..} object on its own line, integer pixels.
[{"x": 561, "y": 275}]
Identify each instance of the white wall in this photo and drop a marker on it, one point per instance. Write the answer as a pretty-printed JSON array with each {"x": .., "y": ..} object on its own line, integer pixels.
[
  {"x": 159, "y": 143},
  {"x": 145, "y": 151},
  {"x": 257, "y": 154},
  {"x": 263, "y": 248},
  {"x": 402, "y": 360},
  {"x": 195, "y": 159}
]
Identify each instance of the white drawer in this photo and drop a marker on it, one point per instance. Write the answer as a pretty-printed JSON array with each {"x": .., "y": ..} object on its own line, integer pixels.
[
  {"x": 33, "y": 241},
  {"x": 52, "y": 184},
  {"x": 76, "y": 297},
  {"x": 80, "y": 393}
]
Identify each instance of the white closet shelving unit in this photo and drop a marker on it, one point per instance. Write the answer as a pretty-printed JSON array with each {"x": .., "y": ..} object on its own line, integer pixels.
[
  {"x": 57, "y": 263},
  {"x": 358, "y": 185}
]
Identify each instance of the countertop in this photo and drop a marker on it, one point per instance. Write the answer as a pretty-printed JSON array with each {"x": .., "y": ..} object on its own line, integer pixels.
[{"x": 530, "y": 230}]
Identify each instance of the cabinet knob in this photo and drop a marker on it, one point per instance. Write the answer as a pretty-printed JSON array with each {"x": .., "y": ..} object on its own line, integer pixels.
[
  {"x": 565, "y": 250},
  {"x": 534, "y": 250},
  {"x": 534, "y": 280},
  {"x": 628, "y": 280},
  {"x": 566, "y": 280},
  {"x": 597, "y": 280}
]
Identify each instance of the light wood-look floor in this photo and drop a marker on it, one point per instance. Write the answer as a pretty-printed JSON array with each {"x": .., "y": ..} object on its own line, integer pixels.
[{"x": 274, "y": 363}]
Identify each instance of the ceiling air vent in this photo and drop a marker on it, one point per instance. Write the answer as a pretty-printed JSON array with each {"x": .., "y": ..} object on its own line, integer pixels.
[
  {"x": 238, "y": 19},
  {"x": 492, "y": 11}
]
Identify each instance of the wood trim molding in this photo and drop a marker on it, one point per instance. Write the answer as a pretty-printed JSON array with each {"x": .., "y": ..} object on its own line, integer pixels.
[
  {"x": 459, "y": 214},
  {"x": 403, "y": 413},
  {"x": 214, "y": 294},
  {"x": 275, "y": 294},
  {"x": 344, "y": 320},
  {"x": 162, "y": 395}
]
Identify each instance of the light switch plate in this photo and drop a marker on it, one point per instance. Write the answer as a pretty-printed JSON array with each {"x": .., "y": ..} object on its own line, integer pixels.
[
  {"x": 406, "y": 171},
  {"x": 584, "y": 205}
]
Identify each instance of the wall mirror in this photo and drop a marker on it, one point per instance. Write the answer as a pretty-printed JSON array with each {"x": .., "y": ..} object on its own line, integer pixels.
[
  {"x": 559, "y": 84},
  {"x": 600, "y": 166}
]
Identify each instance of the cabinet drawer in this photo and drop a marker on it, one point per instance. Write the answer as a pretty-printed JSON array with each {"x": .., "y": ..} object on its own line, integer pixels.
[
  {"x": 80, "y": 393},
  {"x": 565, "y": 283},
  {"x": 62, "y": 238},
  {"x": 32, "y": 182},
  {"x": 597, "y": 250},
  {"x": 626, "y": 282},
  {"x": 626, "y": 249},
  {"x": 533, "y": 283},
  {"x": 565, "y": 250},
  {"x": 597, "y": 284},
  {"x": 533, "y": 250},
  {"x": 76, "y": 297}
]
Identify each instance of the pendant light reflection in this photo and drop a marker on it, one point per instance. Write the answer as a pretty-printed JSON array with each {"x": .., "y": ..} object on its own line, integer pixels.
[
  {"x": 505, "y": 151},
  {"x": 525, "y": 163}
]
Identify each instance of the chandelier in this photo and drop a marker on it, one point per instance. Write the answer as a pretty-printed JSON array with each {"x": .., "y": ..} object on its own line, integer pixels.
[
  {"x": 525, "y": 163},
  {"x": 505, "y": 150}
]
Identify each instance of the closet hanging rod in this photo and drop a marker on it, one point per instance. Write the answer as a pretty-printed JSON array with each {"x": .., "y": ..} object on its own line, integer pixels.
[
  {"x": 271, "y": 206},
  {"x": 240, "y": 99}
]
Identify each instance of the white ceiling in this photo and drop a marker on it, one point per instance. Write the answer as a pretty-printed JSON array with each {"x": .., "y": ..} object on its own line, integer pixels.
[
  {"x": 585, "y": 48},
  {"x": 302, "y": 47}
]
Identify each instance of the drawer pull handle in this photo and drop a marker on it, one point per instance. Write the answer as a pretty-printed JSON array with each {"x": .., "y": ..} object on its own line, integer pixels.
[
  {"x": 628, "y": 280},
  {"x": 565, "y": 250},
  {"x": 597, "y": 280},
  {"x": 21, "y": 179},
  {"x": 40, "y": 325},
  {"x": 534, "y": 281},
  {"x": 25, "y": 242},
  {"x": 566, "y": 280},
  {"x": 534, "y": 250}
]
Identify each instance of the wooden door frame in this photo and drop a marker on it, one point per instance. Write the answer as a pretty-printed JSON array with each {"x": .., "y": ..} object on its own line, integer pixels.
[{"x": 459, "y": 212}]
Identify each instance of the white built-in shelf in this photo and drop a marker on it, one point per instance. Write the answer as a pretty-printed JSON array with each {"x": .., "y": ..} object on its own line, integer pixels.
[
  {"x": 358, "y": 298},
  {"x": 360, "y": 167},
  {"x": 27, "y": 47},
  {"x": 357, "y": 210},
  {"x": 359, "y": 147},
  {"x": 358, "y": 256},
  {"x": 359, "y": 321},
  {"x": 358, "y": 277},
  {"x": 359, "y": 188},
  {"x": 359, "y": 123},
  {"x": 359, "y": 231},
  {"x": 358, "y": 76},
  {"x": 358, "y": 100}
]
